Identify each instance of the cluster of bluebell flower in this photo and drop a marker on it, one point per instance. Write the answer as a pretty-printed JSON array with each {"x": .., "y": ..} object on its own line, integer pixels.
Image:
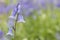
[
  {"x": 12, "y": 18},
  {"x": 25, "y": 7}
]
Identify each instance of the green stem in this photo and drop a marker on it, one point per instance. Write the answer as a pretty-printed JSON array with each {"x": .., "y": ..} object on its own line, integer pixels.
[{"x": 15, "y": 27}]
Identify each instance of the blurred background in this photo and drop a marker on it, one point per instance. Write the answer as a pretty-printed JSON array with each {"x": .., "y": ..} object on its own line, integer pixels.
[{"x": 43, "y": 23}]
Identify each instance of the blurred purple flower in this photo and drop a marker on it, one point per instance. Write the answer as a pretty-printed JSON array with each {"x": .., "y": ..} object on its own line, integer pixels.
[
  {"x": 9, "y": 7},
  {"x": 21, "y": 19},
  {"x": 10, "y": 32},
  {"x": 4, "y": 8},
  {"x": 27, "y": 6},
  {"x": 10, "y": 23},
  {"x": 58, "y": 5},
  {"x": 14, "y": 12},
  {"x": 51, "y": 1},
  {"x": 1, "y": 34}
]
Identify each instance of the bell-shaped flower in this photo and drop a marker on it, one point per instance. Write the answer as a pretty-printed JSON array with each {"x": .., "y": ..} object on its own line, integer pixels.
[
  {"x": 1, "y": 34},
  {"x": 10, "y": 32},
  {"x": 13, "y": 14},
  {"x": 21, "y": 19}
]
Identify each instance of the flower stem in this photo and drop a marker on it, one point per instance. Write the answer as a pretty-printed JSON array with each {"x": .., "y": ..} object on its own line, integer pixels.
[{"x": 15, "y": 27}]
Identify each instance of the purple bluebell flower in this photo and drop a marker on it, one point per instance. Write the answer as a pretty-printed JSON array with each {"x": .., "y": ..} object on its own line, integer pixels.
[
  {"x": 10, "y": 23},
  {"x": 58, "y": 5},
  {"x": 14, "y": 11},
  {"x": 2, "y": 8},
  {"x": 1, "y": 34},
  {"x": 18, "y": 8},
  {"x": 21, "y": 19},
  {"x": 5, "y": 8},
  {"x": 13, "y": 14},
  {"x": 9, "y": 35},
  {"x": 10, "y": 32}
]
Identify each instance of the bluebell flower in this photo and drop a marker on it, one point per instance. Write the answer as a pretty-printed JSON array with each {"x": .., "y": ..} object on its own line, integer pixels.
[
  {"x": 21, "y": 19},
  {"x": 9, "y": 35},
  {"x": 10, "y": 23},
  {"x": 14, "y": 12},
  {"x": 58, "y": 5},
  {"x": 18, "y": 8},
  {"x": 1, "y": 34},
  {"x": 10, "y": 32}
]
